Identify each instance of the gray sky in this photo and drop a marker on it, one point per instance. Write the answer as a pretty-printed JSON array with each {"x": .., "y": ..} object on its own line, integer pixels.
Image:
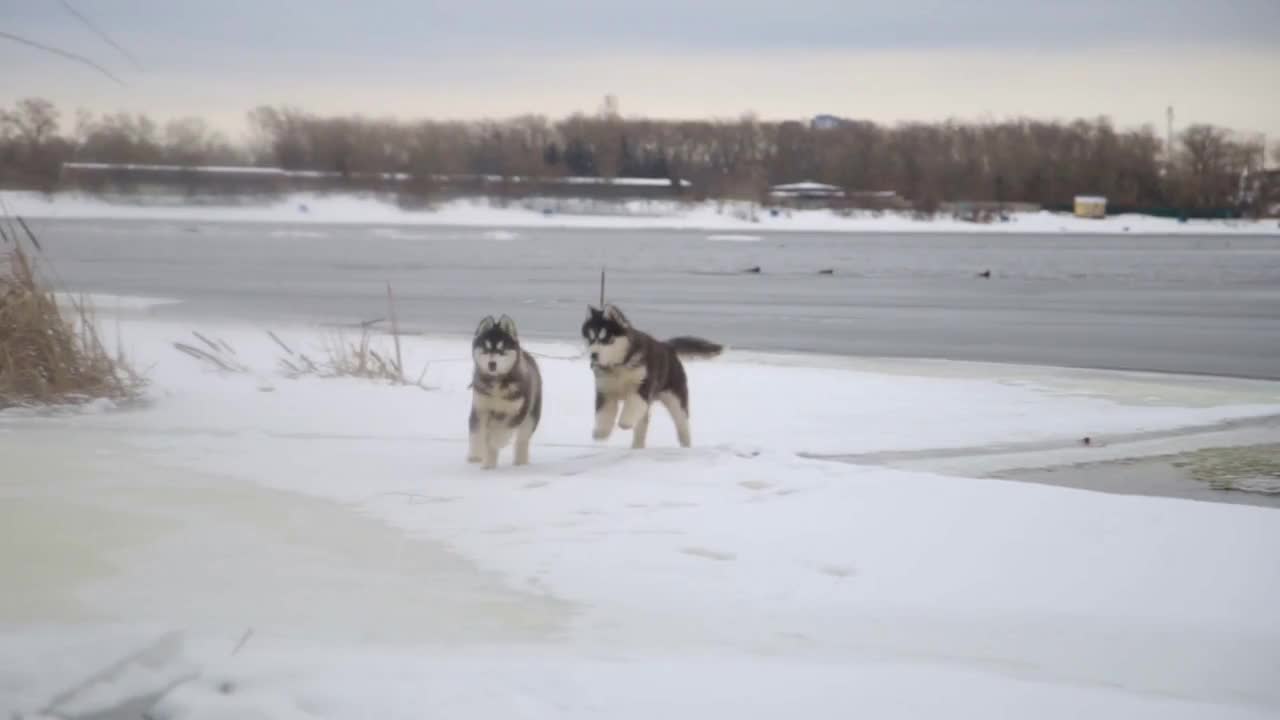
[{"x": 884, "y": 60}]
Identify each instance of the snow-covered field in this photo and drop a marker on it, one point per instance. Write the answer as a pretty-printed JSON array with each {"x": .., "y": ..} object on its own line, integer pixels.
[
  {"x": 318, "y": 548},
  {"x": 640, "y": 214}
]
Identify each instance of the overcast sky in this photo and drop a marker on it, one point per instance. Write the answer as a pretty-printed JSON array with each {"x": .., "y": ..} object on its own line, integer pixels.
[{"x": 884, "y": 60}]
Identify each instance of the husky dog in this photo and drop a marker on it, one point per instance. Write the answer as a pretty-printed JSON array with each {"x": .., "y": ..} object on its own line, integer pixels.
[
  {"x": 506, "y": 393},
  {"x": 633, "y": 369}
]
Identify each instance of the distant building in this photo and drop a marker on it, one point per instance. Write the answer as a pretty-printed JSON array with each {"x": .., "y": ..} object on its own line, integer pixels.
[
  {"x": 826, "y": 122},
  {"x": 876, "y": 200},
  {"x": 806, "y": 194},
  {"x": 807, "y": 190},
  {"x": 1091, "y": 206},
  {"x": 100, "y": 177}
]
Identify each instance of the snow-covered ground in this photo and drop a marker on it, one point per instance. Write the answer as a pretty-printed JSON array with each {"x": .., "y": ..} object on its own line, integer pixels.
[
  {"x": 639, "y": 214},
  {"x": 318, "y": 548}
]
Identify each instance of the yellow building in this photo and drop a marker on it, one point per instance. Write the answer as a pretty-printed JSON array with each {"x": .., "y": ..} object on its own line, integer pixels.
[{"x": 1091, "y": 206}]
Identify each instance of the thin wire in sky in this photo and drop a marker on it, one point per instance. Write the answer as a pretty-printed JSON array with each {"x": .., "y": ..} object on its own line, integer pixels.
[
  {"x": 63, "y": 53},
  {"x": 93, "y": 27}
]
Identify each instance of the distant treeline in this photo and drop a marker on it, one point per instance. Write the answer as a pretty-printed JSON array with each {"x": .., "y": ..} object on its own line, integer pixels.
[{"x": 1033, "y": 161}]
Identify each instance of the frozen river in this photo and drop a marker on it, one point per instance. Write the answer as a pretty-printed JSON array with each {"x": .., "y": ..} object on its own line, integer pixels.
[{"x": 1187, "y": 304}]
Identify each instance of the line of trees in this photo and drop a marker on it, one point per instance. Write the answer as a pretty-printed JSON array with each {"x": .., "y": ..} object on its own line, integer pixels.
[{"x": 1024, "y": 160}]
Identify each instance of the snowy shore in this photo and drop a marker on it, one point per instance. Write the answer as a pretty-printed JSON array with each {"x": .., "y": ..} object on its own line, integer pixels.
[
  {"x": 727, "y": 217},
  {"x": 318, "y": 548}
]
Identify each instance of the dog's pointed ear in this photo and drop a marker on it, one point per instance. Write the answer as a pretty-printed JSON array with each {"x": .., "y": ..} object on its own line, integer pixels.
[
  {"x": 593, "y": 312},
  {"x": 612, "y": 312},
  {"x": 508, "y": 326},
  {"x": 485, "y": 325}
]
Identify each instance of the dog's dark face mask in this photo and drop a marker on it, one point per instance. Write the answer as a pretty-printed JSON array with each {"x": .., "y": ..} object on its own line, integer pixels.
[
  {"x": 496, "y": 347},
  {"x": 605, "y": 333}
]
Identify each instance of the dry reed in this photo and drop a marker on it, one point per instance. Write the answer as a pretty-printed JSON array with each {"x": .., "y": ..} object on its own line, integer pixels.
[{"x": 49, "y": 356}]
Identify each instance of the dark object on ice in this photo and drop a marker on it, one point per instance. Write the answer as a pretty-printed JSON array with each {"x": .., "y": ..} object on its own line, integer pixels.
[
  {"x": 773, "y": 212},
  {"x": 546, "y": 211},
  {"x": 754, "y": 270},
  {"x": 1086, "y": 440},
  {"x": 985, "y": 274},
  {"x": 827, "y": 271},
  {"x": 302, "y": 208}
]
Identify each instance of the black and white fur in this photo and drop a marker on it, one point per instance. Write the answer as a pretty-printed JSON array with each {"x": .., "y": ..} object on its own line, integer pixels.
[
  {"x": 633, "y": 370},
  {"x": 506, "y": 393}
]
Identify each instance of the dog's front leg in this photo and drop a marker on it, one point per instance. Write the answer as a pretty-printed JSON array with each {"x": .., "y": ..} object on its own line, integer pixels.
[
  {"x": 606, "y": 416},
  {"x": 497, "y": 436},
  {"x": 476, "y": 448},
  {"x": 634, "y": 408},
  {"x": 523, "y": 436},
  {"x": 492, "y": 447},
  {"x": 641, "y": 433}
]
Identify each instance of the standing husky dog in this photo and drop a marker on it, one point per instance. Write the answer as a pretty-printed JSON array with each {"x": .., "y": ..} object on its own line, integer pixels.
[
  {"x": 633, "y": 369},
  {"x": 506, "y": 395}
]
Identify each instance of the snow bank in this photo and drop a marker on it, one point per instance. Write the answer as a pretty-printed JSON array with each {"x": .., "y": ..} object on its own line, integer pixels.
[
  {"x": 733, "y": 579},
  {"x": 639, "y": 214}
]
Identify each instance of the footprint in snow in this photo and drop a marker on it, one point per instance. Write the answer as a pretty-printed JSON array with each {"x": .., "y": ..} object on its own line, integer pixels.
[
  {"x": 709, "y": 554},
  {"x": 838, "y": 571}
]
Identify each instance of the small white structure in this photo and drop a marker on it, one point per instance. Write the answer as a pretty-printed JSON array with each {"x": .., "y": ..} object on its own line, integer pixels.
[
  {"x": 807, "y": 190},
  {"x": 826, "y": 122},
  {"x": 1091, "y": 206}
]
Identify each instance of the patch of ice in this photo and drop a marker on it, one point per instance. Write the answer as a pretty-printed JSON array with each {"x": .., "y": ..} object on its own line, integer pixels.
[
  {"x": 398, "y": 234},
  {"x": 301, "y": 234},
  {"x": 734, "y": 238},
  {"x": 103, "y": 301}
]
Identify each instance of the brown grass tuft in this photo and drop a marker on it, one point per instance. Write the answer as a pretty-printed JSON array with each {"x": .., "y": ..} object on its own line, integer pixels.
[
  {"x": 360, "y": 359},
  {"x": 344, "y": 358},
  {"x": 47, "y": 358},
  {"x": 219, "y": 355}
]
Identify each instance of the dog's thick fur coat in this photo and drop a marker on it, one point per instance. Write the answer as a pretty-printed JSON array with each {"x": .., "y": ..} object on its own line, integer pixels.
[
  {"x": 633, "y": 370},
  {"x": 506, "y": 393}
]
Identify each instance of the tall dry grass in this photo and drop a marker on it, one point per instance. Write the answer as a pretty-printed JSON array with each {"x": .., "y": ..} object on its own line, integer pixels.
[
  {"x": 49, "y": 356},
  {"x": 352, "y": 358},
  {"x": 342, "y": 358}
]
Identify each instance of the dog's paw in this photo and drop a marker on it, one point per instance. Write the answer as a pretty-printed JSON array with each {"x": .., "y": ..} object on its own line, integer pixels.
[
  {"x": 473, "y": 459},
  {"x": 601, "y": 433},
  {"x": 625, "y": 424}
]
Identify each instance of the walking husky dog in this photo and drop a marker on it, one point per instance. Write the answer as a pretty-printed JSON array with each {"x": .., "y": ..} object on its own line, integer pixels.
[
  {"x": 632, "y": 370},
  {"x": 506, "y": 393}
]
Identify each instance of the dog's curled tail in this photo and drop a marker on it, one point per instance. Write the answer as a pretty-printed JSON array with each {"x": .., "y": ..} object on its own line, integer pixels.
[{"x": 694, "y": 347}]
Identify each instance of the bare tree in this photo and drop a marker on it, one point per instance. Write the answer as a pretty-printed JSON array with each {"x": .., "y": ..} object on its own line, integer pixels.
[
  {"x": 1213, "y": 166},
  {"x": 31, "y": 151},
  {"x": 189, "y": 141},
  {"x": 1017, "y": 160},
  {"x": 33, "y": 121}
]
